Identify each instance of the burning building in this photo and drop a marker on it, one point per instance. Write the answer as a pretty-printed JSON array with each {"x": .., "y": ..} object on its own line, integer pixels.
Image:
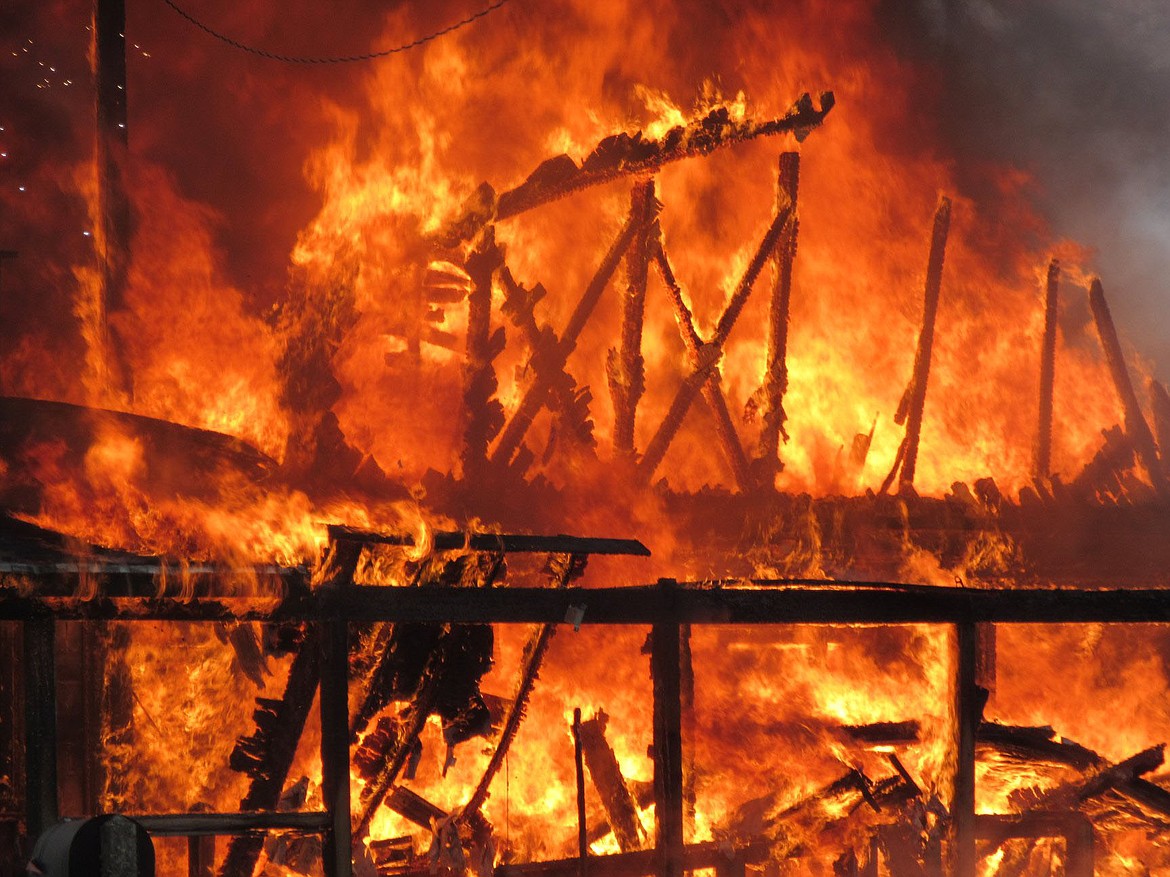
[{"x": 866, "y": 566}]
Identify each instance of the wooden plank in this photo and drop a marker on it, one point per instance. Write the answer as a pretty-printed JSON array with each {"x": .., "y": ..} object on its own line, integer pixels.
[
  {"x": 625, "y": 367},
  {"x": 508, "y": 543},
  {"x": 223, "y": 824},
  {"x": 699, "y": 137},
  {"x": 768, "y": 602}
]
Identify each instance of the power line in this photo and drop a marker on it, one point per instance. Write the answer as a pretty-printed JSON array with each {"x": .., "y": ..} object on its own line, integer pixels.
[{"x": 369, "y": 56}]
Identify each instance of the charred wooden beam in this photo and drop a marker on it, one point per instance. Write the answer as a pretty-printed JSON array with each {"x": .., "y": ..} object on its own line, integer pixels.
[
  {"x": 623, "y": 155},
  {"x": 336, "y": 574},
  {"x": 579, "y": 770},
  {"x": 914, "y": 401},
  {"x": 508, "y": 543},
  {"x": 569, "y": 400},
  {"x": 776, "y": 376},
  {"x": 219, "y": 824},
  {"x": 1042, "y": 465},
  {"x": 968, "y": 713},
  {"x": 764, "y": 602},
  {"x": 625, "y": 367},
  {"x": 669, "y": 802},
  {"x": 483, "y": 414},
  {"x": 610, "y": 784},
  {"x": 565, "y": 569},
  {"x": 712, "y": 350},
  {"x": 1135, "y": 422},
  {"x": 712, "y": 393},
  {"x": 40, "y": 725},
  {"x": 537, "y": 393}
]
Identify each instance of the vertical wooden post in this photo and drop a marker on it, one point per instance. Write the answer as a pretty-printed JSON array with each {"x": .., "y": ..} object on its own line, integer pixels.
[
  {"x": 201, "y": 856},
  {"x": 625, "y": 366},
  {"x": 967, "y": 716},
  {"x": 579, "y": 764},
  {"x": 483, "y": 415},
  {"x": 1135, "y": 422},
  {"x": 776, "y": 377},
  {"x": 40, "y": 725},
  {"x": 665, "y": 655},
  {"x": 917, "y": 399},
  {"x": 1042, "y": 466},
  {"x": 337, "y": 854},
  {"x": 113, "y": 232}
]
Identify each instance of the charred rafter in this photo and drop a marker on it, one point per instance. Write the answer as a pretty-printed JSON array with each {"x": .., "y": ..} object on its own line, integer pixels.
[{"x": 624, "y": 155}]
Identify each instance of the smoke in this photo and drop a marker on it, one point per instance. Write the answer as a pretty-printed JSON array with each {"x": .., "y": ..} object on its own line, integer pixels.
[{"x": 1073, "y": 92}]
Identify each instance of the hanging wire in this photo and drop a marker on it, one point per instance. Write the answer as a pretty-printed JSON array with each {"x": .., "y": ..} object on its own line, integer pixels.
[{"x": 344, "y": 59}]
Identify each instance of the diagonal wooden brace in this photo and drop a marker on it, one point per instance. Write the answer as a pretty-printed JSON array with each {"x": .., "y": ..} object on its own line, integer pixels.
[
  {"x": 712, "y": 392},
  {"x": 711, "y": 352},
  {"x": 538, "y": 391}
]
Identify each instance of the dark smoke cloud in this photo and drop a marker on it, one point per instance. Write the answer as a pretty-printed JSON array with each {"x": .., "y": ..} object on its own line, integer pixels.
[{"x": 1077, "y": 93}]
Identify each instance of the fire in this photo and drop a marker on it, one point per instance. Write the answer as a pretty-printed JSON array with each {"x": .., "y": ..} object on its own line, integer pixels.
[{"x": 345, "y": 398}]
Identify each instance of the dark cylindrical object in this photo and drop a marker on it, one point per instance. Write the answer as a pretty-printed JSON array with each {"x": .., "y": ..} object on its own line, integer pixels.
[{"x": 104, "y": 846}]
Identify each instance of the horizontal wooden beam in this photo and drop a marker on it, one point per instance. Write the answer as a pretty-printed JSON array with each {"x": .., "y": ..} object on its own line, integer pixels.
[
  {"x": 761, "y": 602},
  {"x": 507, "y": 543},
  {"x": 195, "y": 824}
]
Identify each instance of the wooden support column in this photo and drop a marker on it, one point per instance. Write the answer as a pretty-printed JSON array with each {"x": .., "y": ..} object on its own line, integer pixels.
[
  {"x": 1135, "y": 422},
  {"x": 967, "y": 715},
  {"x": 201, "y": 856},
  {"x": 913, "y": 402},
  {"x": 337, "y": 575},
  {"x": 334, "y": 702},
  {"x": 625, "y": 367},
  {"x": 40, "y": 725},
  {"x": 665, "y": 657},
  {"x": 776, "y": 377},
  {"x": 483, "y": 415},
  {"x": 1042, "y": 466},
  {"x": 934, "y": 268},
  {"x": 113, "y": 232}
]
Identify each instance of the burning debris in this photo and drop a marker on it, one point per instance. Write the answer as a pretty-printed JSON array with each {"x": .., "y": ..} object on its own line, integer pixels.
[{"x": 785, "y": 711}]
